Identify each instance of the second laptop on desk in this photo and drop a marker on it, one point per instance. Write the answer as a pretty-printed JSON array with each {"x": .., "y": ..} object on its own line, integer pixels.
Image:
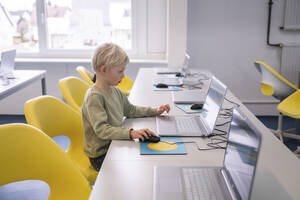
[
  {"x": 189, "y": 96},
  {"x": 233, "y": 180},
  {"x": 195, "y": 125}
]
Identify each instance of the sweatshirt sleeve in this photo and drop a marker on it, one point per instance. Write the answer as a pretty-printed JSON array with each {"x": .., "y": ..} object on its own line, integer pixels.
[
  {"x": 132, "y": 111},
  {"x": 98, "y": 118}
]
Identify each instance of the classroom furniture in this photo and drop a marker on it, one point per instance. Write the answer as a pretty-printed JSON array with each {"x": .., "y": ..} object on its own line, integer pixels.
[
  {"x": 23, "y": 79},
  {"x": 73, "y": 90},
  {"x": 29, "y": 154},
  {"x": 54, "y": 118},
  {"x": 85, "y": 74},
  {"x": 273, "y": 84},
  {"x": 125, "y": 174},
  {"x": 290, "y": 107},
  {"x": 125, "y": 85}
]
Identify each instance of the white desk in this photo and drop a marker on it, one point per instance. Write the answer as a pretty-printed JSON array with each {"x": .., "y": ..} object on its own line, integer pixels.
[
  {"x": 126, "y": 174},
  {"x": 23, "y": 78}
]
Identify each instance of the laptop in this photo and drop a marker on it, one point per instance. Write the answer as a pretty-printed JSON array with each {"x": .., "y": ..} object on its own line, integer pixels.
[
  {"x": 189, "y": 96},
  {"x": 232, "y": 181},
  {"x": 170, "y": 81},
  {"x": 195, "y": 125},
  {"x": 172, "y": 70},
  {"x": 168, "y": 70},
  {"x": 8, "y": 63}
]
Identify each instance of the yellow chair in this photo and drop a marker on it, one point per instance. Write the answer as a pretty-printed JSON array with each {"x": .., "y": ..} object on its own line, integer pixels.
[
  {"x": 291, "y": 107},
  {"x": 28, "y": 154},
  {"x": 85, "y": 74},
  {"x": 54, "y": 118},
  {"x": 73, "y": 90},
  {"x": 125, "y": 86},
  {"x": 273, "y": 84}
]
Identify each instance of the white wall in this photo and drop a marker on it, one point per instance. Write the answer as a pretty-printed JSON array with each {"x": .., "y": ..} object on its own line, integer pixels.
[{"x": 226, "y": 37}]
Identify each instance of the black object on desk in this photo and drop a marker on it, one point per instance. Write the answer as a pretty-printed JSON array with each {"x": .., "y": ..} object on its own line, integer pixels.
[
  {"x": 151, "y": 138},
  {"x": 162, "y": 85}
]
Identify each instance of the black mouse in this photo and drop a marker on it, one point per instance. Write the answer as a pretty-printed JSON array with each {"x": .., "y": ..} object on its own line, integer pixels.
[
  {"x": 161, "y": 85},
  {"x": 152, "y": 138},
  {"x": 178, "y": 74},
  {"x": 196, "y": 106}
]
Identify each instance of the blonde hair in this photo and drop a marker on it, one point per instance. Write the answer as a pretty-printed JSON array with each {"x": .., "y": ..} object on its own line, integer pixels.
[{"x": 110, "y": 55}]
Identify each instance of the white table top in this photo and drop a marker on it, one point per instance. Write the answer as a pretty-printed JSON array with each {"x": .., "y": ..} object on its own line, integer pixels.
[
  {"x": 21, "y": 80},
  {"x": 126, "y": 174}
]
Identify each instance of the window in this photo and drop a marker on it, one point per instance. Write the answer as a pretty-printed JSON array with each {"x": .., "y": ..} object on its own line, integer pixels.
[
  {"x": 84, "y": 24},
  {"x": 73, "y": 28},
  {"x": 19, "y": 24}
]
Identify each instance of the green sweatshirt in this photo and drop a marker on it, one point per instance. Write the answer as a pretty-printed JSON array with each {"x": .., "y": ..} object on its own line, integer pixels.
[{"x": 102, "y": 116}]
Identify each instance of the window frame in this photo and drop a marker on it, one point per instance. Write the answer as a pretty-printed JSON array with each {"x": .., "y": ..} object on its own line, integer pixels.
[{"x": 139, "y": 36}]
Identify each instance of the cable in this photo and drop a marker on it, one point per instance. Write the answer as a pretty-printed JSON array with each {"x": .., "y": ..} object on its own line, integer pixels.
[
  {"x": 238, "y": 105},
  {"x": 197, "y": 75},
  {"x": 224, "y": 132},
  {"x": 223, "y": 123},
  {"x": 211, "y": 144},
  {"x": 192, "y": 86}
]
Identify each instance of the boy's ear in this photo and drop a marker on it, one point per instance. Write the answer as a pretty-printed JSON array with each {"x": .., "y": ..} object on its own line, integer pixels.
[{"x": 103, "y": 68}]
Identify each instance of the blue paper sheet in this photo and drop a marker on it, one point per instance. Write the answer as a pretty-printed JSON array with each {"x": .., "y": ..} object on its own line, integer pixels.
[{"x": 145, "y": 150}]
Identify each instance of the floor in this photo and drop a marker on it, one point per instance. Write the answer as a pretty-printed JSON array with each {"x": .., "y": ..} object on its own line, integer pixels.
[{"x": 39, "y": 190}]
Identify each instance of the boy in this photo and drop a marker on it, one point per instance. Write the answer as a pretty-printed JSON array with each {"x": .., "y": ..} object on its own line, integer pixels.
[{"x": 105, "y": 105}]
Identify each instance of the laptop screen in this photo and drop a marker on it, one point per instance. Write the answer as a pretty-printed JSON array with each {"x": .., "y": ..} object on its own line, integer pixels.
[
  {"x": 213, "y": 103},
  {"x": 241, "y": 154},
  {"x": 8, "y": 61}
]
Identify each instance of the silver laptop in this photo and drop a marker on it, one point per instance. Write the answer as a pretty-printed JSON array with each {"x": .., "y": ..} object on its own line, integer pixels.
[
  {"x": 189, "y": 96},
  {"x": 195, "y": 125},
  {"x": 170, "y": 81},
  {"x": 168, "y": 70},
  {"x": 172, "y": 70},
  {"x": 232, "y": 181},
  {"x": 8, "y": 63}
]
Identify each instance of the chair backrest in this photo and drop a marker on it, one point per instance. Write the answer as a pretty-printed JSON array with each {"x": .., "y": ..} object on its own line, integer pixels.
[
  {"x": 54, "y": 118},
  {"x": 85, "y": 74},
  {"x": 290, "y": 106},
  {"x": 126, "y": 85},
  {"x": 273, "y": 84},
  {"x": 73, "y": 90},
  {"x": 28, "y": 154}
]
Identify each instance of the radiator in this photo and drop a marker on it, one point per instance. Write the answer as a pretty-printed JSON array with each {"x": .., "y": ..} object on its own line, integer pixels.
[
  {"x": 292, "y": 15},
  {"x": 290, "y": 63}
]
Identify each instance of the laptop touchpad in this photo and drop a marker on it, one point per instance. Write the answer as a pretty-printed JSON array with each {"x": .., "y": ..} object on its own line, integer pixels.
[{"x": 168, "y": 184}]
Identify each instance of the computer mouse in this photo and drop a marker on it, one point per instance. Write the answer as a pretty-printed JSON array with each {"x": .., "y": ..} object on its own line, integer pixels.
[
  {"x": 196, "y": 106},
  {"x": 178, "y": 74},
  {"x": 152, "y": 138},
  {"x": 162, "y": 85}
]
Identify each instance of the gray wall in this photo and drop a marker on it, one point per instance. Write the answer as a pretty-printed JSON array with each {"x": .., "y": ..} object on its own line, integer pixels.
[{"x": 226, "y": 37}]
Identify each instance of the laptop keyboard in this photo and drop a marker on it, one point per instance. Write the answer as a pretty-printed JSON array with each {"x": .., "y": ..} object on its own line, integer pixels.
[
  {"x": 202, "y": 183},
  {"x": 190, "y": 125}
]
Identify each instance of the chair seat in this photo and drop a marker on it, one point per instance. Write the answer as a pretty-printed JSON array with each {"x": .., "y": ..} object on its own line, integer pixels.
[
  {"x": 291, "y": 106},
  {"x": 85, "y": 167}
]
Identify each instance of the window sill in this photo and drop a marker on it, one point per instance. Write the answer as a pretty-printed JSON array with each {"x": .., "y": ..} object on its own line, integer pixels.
[{"x": 80, "y": 60}]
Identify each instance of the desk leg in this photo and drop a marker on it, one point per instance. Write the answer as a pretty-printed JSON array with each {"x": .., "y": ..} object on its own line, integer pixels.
[{"x": 43, "y": 86}]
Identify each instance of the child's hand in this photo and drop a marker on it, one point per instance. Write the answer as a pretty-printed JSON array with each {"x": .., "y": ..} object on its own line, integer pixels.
[
  {"x": 163, "y": 108},
  {"x": 141, "y": 134}
]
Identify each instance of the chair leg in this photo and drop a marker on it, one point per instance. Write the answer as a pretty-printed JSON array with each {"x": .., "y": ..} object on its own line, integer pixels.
[
  {"x": 280, "y": 129},
  {"x": 297, "y": 152},
  {"x": 291, "y": 133}
]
